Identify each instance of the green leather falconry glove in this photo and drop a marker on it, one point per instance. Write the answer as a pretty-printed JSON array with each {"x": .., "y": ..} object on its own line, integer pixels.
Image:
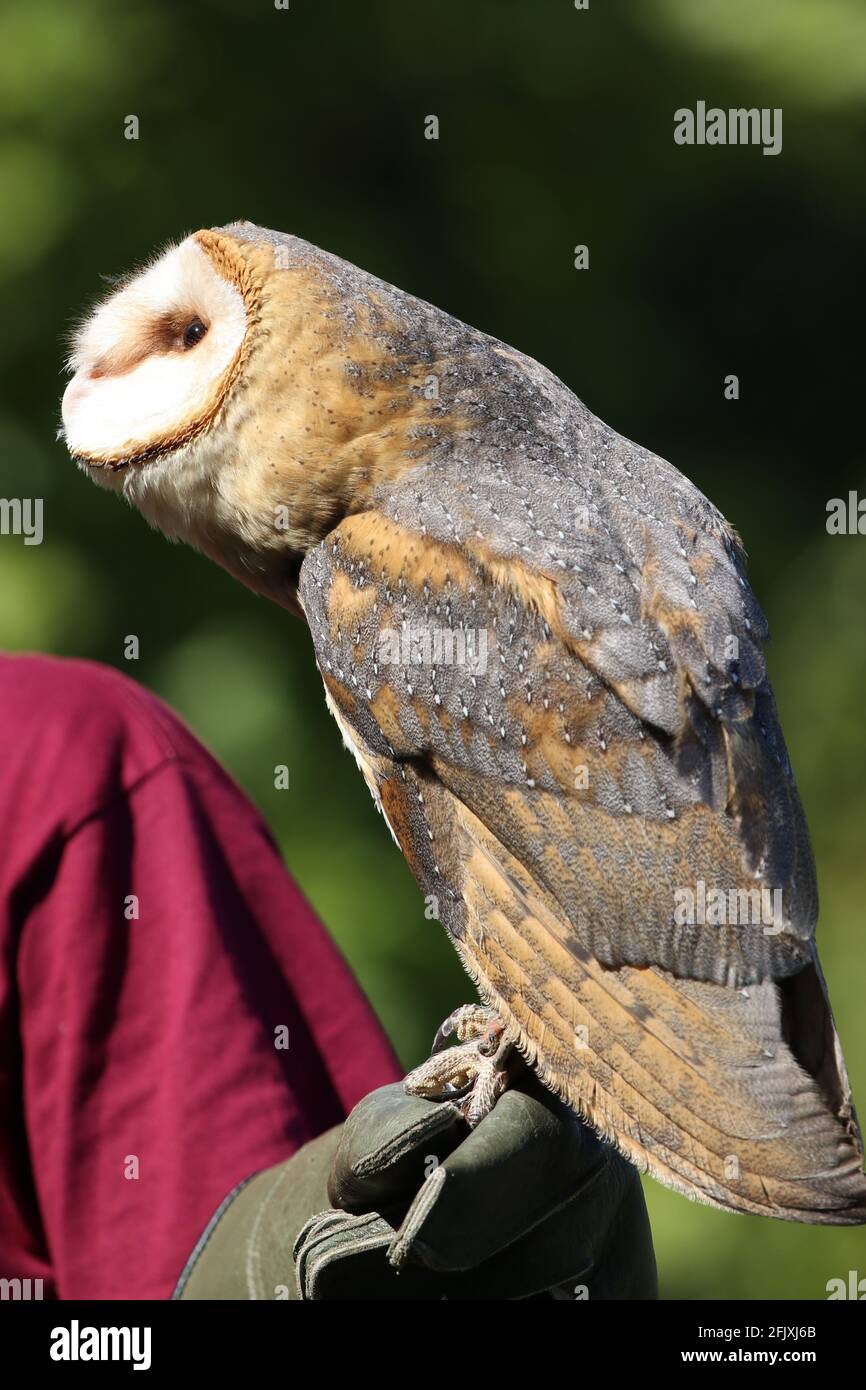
[{"x": 404, "y": 1201}]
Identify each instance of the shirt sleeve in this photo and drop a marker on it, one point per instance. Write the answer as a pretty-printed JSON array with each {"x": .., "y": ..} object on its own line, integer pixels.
[{"x": 173, "y": 1018}]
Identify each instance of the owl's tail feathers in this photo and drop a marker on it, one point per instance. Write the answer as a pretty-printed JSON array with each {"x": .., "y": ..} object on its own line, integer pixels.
[{"x": 736, "y": 1097}]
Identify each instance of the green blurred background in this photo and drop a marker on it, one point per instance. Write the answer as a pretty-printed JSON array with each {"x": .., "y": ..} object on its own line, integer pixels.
[{"x": 556, "y": 129}]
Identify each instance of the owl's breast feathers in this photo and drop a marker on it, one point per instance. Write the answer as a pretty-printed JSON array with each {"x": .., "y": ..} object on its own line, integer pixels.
[{"x": 540, "y": 641}]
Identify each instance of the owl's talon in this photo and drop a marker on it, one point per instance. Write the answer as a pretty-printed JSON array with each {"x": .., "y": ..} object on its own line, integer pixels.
[
  {"x": 474, "y": 1072},
  {"x": 467, "y": 1021}
]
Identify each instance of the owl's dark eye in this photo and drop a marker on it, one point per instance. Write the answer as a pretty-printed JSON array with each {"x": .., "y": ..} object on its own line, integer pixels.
[{"x": 194, "y": 332}]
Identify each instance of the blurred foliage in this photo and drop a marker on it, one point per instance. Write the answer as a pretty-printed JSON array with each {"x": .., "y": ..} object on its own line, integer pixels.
[{"x": 556, "y": 129}]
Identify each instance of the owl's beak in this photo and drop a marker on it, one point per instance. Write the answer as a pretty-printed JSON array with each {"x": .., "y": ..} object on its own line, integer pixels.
[
  {"x": 75, "y": 399},
  {"x": 74, "y": 394}
]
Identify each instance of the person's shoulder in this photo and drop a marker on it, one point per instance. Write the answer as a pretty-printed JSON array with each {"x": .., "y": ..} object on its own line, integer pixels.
[
  {"x": 95, "y": 712},
  {"x": 78, "y": 739}
]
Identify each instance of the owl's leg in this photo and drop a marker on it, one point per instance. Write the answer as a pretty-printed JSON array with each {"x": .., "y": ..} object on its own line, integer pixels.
[{"x": 472, "y": 1074}]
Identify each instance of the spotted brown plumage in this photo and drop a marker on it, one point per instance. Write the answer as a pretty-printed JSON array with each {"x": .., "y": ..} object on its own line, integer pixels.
[{"x": 539, "y": 641}]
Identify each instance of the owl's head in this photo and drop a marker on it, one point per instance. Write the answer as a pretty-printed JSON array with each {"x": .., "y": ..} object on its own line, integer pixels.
[
  {"x": 154, "y": 362},
  {"x": 245, "y": 391}
]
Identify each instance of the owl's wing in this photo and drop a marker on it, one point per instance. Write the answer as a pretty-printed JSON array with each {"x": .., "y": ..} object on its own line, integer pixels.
[
  {"x": 644, "y": 784},
  {"x": 560, "y": 827}
]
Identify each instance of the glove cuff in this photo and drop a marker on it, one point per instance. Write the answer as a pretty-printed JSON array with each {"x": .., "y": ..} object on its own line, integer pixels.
[{"x": 245, "y": 1251}]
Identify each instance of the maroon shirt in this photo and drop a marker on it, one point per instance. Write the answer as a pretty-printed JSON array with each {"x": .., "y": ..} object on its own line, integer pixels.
[{"x": 139, "y": 1077}]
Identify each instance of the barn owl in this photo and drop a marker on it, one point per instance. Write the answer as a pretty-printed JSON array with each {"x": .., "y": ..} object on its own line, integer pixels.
[{"x": 538, "y": 640}]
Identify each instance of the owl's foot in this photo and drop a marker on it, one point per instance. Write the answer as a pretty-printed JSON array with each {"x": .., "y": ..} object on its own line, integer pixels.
[{"x": 474, "y": 1073}]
